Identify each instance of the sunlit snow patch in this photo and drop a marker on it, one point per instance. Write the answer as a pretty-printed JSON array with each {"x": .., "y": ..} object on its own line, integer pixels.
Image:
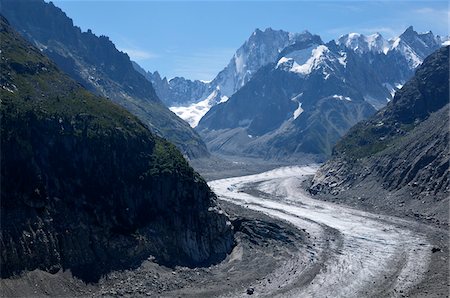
[
  {"x": 299, "y": 110},
  {"x": 341, "y": 97},
  {"x": 312, "y": 63},
  {"x": 193, "y": 113}
]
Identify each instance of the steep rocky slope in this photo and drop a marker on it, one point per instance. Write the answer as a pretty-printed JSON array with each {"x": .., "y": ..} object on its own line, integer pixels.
[
  {"x": 85, "y": 185},
  {"x": 400, "y": 157},
  {"x": 95, "y": 63}
]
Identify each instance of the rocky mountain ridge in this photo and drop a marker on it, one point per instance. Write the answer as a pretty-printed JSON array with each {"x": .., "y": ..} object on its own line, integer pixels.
[
  {"x": 95, "y": 62},
  {"x": 86, "y": 187}
]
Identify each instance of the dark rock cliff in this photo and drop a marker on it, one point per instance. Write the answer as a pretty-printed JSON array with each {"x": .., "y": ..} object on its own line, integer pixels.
[
  {"x": 95, "y": 62},
  {"x": 85, "y": 185},
  {"x": 400, "y": 157}
]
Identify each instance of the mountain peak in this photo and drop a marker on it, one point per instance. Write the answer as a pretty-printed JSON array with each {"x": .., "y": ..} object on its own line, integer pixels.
[
  {"x": 157, "y": 75},
  {"x": 361, "y": 43},
  {"x": 409, "y": 33},
  {"x": 410, "y": 29},
  {"x": 269, "y": 31},
  {"x": 257, "y": 31}
]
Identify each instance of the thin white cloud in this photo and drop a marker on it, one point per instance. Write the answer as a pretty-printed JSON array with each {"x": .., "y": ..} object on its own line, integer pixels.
[
  {"x": 433, "y": 15},
  {"x": 138, "y": 55}
]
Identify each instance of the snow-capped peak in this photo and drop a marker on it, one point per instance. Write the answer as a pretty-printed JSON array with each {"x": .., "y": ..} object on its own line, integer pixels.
[
  {"x": 415, "y": 46},
  {"x": 361, "y": 43},
  {"x": 314, "y": 57},
  {"x": 410, "y": 44},
  {"x": 261, "y": 48}
]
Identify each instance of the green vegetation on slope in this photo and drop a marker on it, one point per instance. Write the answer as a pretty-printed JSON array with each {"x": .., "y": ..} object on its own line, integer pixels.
[{"x": 85, "y": 185}]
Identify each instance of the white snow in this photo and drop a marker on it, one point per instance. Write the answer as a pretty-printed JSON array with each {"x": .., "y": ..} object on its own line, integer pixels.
[
  {"x": 312, "y": 63},
  {"x": 341, "y": 97},
  {"x": 446, "y": 43},
  {"x": 361, "y": 43},
  {"x": 377, "y": 43},
  {"x": 396, "y": 42},
  {"x": 304, "y": 61},
  {"x": 193, "y": 113},
  {"x": 283, "y": 60},
  {"x": 343, "y": 59},
  {"x": 299, "y": 109},
  {"x": 224, "y": 98}
]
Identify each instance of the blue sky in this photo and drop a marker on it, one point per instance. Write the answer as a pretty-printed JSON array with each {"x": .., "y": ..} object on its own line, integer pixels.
[{"x": 197, "y": 39}]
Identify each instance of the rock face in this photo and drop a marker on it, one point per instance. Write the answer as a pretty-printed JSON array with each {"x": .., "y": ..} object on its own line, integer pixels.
[
  {"x": 95, "y": 63},
  {"x": 312, "y": 94},
  {"x": 177, "y": 91},
  {"x": 86, "y": 186},
  {"x": 403, "y": 149}
]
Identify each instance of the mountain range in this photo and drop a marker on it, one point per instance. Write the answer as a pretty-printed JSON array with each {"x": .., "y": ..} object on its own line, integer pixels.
[
  {"x": 260, "y": 49},
  {"x": 290, "y": 94},
  {"x": 94, "y": 62},
  {"x": 401, "y": 153},
  {"x": 313, "y": 92},
  {"x": 264, "y": 47}
]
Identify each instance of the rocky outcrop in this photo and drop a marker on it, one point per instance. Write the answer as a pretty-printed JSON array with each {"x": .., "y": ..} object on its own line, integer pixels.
[
  {"x": 86, "y": 186},
  {"x": 400, "y": 157},
  {"x": 95, "y": 62}
]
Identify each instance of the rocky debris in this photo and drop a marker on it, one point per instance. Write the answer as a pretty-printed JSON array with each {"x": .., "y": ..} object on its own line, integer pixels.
[
  {"x": 250, "y": 291},
  {"x": 435, "y": 249}
]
